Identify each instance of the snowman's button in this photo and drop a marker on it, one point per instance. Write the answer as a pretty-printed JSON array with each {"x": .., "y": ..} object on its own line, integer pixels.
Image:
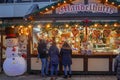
[
  {"x": 13, "y": 58},
  {"x": 13, "y": 54}
]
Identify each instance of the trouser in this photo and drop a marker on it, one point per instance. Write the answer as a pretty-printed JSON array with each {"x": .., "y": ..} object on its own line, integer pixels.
[
  {"x": 54, "y": 68},
  {"x": 45, "y": 66},
  {"x": 65, "y": 69}
]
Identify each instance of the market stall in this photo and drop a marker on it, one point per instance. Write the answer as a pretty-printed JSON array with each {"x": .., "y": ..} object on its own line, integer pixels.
[{"x": 91, "y": 28}]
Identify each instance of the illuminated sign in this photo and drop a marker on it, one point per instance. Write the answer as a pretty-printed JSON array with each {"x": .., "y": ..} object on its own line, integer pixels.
[{"x": 91, "y": 7}]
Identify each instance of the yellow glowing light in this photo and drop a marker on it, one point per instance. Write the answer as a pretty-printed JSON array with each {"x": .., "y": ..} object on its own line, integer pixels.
[
  {"x": 106, "y": 0},
  {"x": 53, "y": 7},
  {"x": 46, "y": 9},
  {"x": 76, "y": 25},
  {"x": 21, "y": 26},
  {"x": 13, "y": 27},
  {"x": 106, "y": 25},
  {"x": 113, "y": 3},
  {"x": 66, "y": 25},
  {"x": 115, "y": 25},
  {"x": 29, "y": 26},
  {"x": 58, "y": 4},
  {"x": 48, "y": 25},
  {"x": 27, "y": 33},
  {"x": 118, "y": 5},
  {"x": 96, "y": 25},
  {"x": 64, "y": 1},
  {"x": 39, "y": 26}
]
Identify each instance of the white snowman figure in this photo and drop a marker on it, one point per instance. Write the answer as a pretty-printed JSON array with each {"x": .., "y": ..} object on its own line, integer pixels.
[{"x": 14, "y": 65}]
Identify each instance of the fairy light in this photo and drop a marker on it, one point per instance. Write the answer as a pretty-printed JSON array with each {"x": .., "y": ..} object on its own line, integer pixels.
[
  {"x": 106, "y": 25},
  {"x": 66, "y": 25},
  {"x": 30, "y": 26},
  {"x": 96, "y": 25},
  {"x": 48, "y": 25},
  {"x": 115, "y": 24},
  {"x": 113, "y": 3},
  {"x": 21, "y": 26},
  {"x": 58, "y": 4},
  {"x": 27, "y": 33},
  {"x": 106, "y": 0},
  {"x": 76, "y": 25},
  {"x": 118, "y": 5},
  {"x": 53, "y": 7},
  {"x": 64, "y": 1},
  {"x": 39, "y": 26},
  {"x": 13, "y": 27},
  {"x": 46, "y": 9}
]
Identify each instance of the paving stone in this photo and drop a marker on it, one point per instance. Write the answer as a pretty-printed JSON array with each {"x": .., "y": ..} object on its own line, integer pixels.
[{"x": 74, "y": 77}]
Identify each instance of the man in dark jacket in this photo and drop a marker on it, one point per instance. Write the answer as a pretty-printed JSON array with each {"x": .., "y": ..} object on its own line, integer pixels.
[
  {"x": 42, "y": 54},
  {"x": 117, "y": 66}
]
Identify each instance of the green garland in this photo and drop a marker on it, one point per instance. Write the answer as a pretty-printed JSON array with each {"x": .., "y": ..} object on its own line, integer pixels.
[
  {"x": 58, "y": 24},
  {"x": 115, "y": 1}
]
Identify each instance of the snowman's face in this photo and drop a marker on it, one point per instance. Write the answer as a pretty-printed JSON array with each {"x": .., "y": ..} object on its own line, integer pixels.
[{"x": 11, "y": 42}]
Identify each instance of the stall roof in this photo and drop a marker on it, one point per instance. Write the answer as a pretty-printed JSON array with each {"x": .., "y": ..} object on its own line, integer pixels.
[{"x": 41, "y": 13}]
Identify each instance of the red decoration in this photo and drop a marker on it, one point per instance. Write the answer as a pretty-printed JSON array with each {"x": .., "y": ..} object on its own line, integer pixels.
[
  {"x": 86, "y": 21},
  {"x": 24, "y": 55},
  {"x": 14, "y": 49}
]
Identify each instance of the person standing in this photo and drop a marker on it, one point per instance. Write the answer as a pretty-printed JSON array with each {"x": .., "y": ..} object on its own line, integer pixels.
[
  {"x": 54, "y": 60},
  {"x": 42, "y": 54},
  {"x": 117, "y": 66},
  {"x": 66, "y": 55}
]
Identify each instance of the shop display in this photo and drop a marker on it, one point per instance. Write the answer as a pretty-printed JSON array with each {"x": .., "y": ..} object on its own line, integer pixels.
[{"x": 97, "y": 39}]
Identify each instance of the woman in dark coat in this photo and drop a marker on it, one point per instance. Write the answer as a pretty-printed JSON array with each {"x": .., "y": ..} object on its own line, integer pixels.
[
  {"x": 66, "y": 55},
  {"x": 54, "y": 59}
]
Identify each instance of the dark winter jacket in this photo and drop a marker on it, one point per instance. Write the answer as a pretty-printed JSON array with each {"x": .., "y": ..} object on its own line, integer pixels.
[
  {"x": 66, "y": 55},
  {"x": 117, "y": 66},
  {"x": 42, "y": 50},
  {"x": 54, "y": 54}
]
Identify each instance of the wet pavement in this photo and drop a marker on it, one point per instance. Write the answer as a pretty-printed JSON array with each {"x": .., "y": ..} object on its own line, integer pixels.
[{"x": 74, "y": 77}]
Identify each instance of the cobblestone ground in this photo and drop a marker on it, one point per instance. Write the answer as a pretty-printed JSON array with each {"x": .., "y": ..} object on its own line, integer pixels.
[{"x": 74, "y": 77}]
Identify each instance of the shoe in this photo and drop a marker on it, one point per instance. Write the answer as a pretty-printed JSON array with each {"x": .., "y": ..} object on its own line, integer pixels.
[
  {"x": 70, "y": 76},
  {"x": 51, "y": 78},
  {"x": 65, "y": 76}
]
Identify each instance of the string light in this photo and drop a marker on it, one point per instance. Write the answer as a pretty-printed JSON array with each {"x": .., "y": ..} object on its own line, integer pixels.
[
  {"x": 48, "y": 25},
  {"x": 113, "y": 3},
  {"x": 64, "y": 1},
  {"x": 106, "y": 25},
  {"x": 96, "y": 25},
  {"x": 106, "y": 0},
  {"x": 115, "y": 24},
  {"x": 46, "y": 9},
  {"x": 58, "y": 4},
  {"x": 13, "y": 27},
  {"x": 66, "y": 25},
  {"x": 53, "y": 7}
]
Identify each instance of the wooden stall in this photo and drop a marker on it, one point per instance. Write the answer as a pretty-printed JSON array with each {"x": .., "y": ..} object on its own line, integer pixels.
[{"x": 91, "y": 27}]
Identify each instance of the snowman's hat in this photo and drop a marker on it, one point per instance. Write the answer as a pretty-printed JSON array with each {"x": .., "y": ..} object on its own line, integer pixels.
[{"x": 10, "y": 32}]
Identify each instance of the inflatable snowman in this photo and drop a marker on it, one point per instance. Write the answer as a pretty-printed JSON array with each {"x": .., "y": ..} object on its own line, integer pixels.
[{"x": 14, "y": 65}]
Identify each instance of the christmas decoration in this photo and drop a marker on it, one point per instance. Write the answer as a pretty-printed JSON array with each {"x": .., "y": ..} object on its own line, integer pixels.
[{"x": 14, "y": 64}]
